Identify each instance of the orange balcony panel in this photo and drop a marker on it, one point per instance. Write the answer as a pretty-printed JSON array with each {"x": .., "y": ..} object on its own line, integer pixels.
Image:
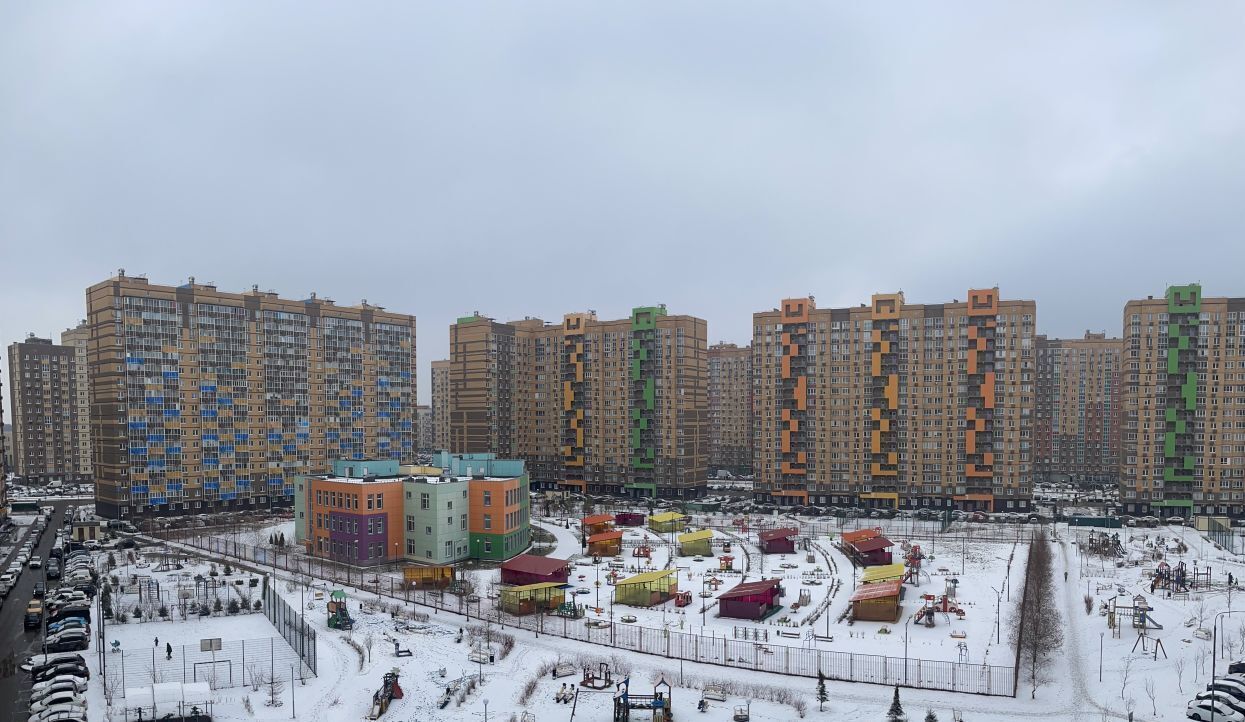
[
  {"x": 575, "y": 482},
  {"x": 786, "y": 414},
  {"x": 786, "y": 367},
  {"x": 877, "y": 470},
  {"x": 875, "y": 368},
  {"x": 792, "y": 492},
  {"x": 970, "y": 413},
  {"x": 987, "y": 390},
  {"x": 970, "y": 442},
  {"x": 795, "y": 310},
  {"x": 875, "y": 444},
  {"x": 884, "y": 424},
  {"x": 568, "y": 396},
  {"x": 876, "y": 335},
  {"x": 892, "y": 392},
  {"x": 886, "y": 306},
  {"x": 801, "y": 457},
  {"x": 875, "y": 414},
  {"x": 801, "y": 393},
  {"x": 972, "y": 335},
  {"x": 972, "y": 363},
  {"x": 989, "y": 458},
  {"x": 978, "y": 471},
  {"x": 789, "y": 468},
  {"x": 983, "y": 302},
  {"x": 785, "y": 441}
]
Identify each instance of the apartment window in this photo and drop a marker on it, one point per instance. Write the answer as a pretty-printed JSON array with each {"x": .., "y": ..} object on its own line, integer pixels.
[
  {"x": 462, "y": 522},
  {"x": 488, "y": 546},
  {"x": 370, "y": 503},
  {"x": 449, "y": 549},
  {"x": 423, "y": 501},
  {"x": 380, "y": 501},
  {"x": 488, "y": 498},
  {"x": 449, "y": 521},
  {"x": 410, "y": 522},
  {"x": 428, "y": 530},
  {"x": 488, "y": 521}
]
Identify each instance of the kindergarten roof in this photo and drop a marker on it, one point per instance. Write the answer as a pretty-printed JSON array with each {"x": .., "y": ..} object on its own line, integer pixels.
[
  {"x": 605, "y": 536},
  {"x": 872, "y": 545},
  {"x": 667, "y": 516},
  {"x": 747, "y": 589},
  {"x": 534, "y": 564},
  {"x": 877, "y": 591},
  {"x": 646, "y": 577},
  {"x": 883, "y": 573},
  {"x": 692, "y": 536},
  {"x": 531, "y": 587},
  {"x": 860, "y": 535},
  {"x": 780, "y": 533},
  {"x": 597, "y": 519}
]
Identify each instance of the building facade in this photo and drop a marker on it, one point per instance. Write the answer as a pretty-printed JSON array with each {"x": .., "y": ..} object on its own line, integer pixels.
[
  {"x": 423, "y": 415},
  {"x": 205, "y": 400},
  {"x": 895, "y": 404},
  {"x": 441, "y": 405},
  {"x": 1078, "y": 413},
  {"x": 43, "y": 379},
  {"x": 730, "y": 408},
  {"x": 1184, "y": 405},
  {"x": 373, "y": 512},
  {"x": 615, "y": 407},
  {"x": 79, "y": 338}
]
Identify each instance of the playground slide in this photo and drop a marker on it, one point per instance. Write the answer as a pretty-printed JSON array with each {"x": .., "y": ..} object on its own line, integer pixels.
[{"x": 1152, "y": 623}]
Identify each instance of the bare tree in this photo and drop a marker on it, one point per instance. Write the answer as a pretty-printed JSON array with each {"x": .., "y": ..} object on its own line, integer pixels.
[
  {"x": 276, "y": 686},
  {"x": 1151, "y": 693},
  {"x": 1179, "y": 664},
  {"x": 368, "y": 641},
  {"x": 1202, "y": 654},
  {"x": 1201, "y": 612},
  {"x": 1040, "y": 634},
  {"x": 1125, "y": 674}
]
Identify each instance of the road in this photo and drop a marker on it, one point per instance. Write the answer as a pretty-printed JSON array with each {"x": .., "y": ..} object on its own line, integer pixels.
[{"x": 14, "y": 639}]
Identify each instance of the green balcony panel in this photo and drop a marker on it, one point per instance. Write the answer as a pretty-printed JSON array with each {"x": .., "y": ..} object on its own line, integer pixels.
[
  {"x": 1170, "y": 415},
  {"x": 1184, "y": 299},
  {"x": 1169, "y": 444}
]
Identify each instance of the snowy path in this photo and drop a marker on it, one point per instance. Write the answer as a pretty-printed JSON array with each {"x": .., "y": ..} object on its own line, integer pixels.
[{"x": 568, "y": 541}]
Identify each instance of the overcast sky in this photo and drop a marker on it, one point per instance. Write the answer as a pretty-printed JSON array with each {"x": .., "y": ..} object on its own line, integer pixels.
[{"x": 536, "y": 158}]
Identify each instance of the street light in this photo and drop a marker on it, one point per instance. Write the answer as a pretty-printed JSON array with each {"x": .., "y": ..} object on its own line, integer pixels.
[
  {"x": 998, "y": 616},
  {"x": 905, "y": 649},
  {"x": 1214, "y": 652}
]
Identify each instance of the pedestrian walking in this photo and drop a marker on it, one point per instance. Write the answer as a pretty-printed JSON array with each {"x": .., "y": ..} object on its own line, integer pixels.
[
  {"x": 157, "y": 641},
  {"x": 168, "y": 650}
]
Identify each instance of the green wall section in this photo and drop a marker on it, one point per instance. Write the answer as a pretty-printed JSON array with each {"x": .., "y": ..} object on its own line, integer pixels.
[
  {"x": 644, "y": 398},
  {"x": 1184, "y": 304}
]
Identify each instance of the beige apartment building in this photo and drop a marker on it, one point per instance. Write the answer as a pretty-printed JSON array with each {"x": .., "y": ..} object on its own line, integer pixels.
[
  {"x": 1184, "y": 405},
  {"x": 613, "y": 407},
  {"x": 896, "y": 405},
  {"x": 205, "y": 400},
  {"x": 1078, "y": 414},
  {"x": 441, "y": 405},
  {"x": 730, "y": 408},
  {"x": 79, "y": 339},
  {"x": 47, "y": 417}
]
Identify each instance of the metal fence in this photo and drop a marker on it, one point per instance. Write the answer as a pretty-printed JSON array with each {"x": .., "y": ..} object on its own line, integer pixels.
[
  {"x": 802, "y": 661},
  {"x": 236, "y": 663},
  {"x": 292, "y": 626}
]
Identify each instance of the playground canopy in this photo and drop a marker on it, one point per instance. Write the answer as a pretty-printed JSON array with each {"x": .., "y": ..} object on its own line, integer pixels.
[
  {"x": 873, "y": 551},
  {"x": 598, "y": 523},
  {"x": 605, "y": 544},
  {"x": 695, "y": 542},
  {"x": 666, "y": 521},
  {"x": 778, "y": 541},
  {"x": 436, "y": 577},
  {"x": 647, "y": 589},
  {"x": 851, "y": 537},
  {"x": 884, "y": 573},
  {"x": 751, "y": 600},
  {"x": 877, "y": 602},
  {"x": 529, "y": 598},
  {"x": 534, "y": 569}
]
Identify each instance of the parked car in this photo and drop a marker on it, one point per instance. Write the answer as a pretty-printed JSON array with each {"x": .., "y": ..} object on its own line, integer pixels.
[
  {"x": 1205, "y": 710},
  {"x": 68, "y": 644},
  {"x": 40, "y": 589},
  {"x": 1225, "y": 699},
  {"x": 67, "y": 681},
  {"x": 34, "y": 614},
  {"x": 76, "y": 669},
  {"x": 35, "y": 563},
  {"x": 1231, "y": 684},
  {"x": 60, "y": 698},
  {"x": 41, "y": 660}
]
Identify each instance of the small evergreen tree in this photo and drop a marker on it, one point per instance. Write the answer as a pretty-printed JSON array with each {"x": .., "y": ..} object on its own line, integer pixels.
[
  {"x": 822, "y": 697},
  {"x": 895, "y": 713},
  {"x": 234, "y": 607},
  {"x": 217, "y": 607},
  {"x": 228, "y": 569},
  {"x": 281, "y": 540},
  {"x": 930, "y": 716}
]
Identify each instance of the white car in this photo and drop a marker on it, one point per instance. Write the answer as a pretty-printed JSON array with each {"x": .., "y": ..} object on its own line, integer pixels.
[
  {"x": 59, "y": 713},
  {"x": 1204, "y": 709},
  {"x": 58, "y": 700},
  {"x": 35, "y": 563},
  {"x": 65, "y": 681}
]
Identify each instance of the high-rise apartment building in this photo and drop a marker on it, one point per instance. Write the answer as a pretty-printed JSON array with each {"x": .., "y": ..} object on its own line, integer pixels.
[
  {"x": 618, "y": 407},
  {"x": 423, "y": 413},
  {"x": 730, "y": 408},
  {"x": 43, "y": 380},
  {"x": 441, "y": 405},
  {"x": 79, "y": 339},
  {"x": 895, "y": 404},
  {"x": 1077, "y": 418},
  {"x": 206, "y": 400},
  {"x": 1184, "y": 405},
  {"x": 4, "y": 457}
]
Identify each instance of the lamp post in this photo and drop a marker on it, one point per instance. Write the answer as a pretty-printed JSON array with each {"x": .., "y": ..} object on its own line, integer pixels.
[
  {"x": 905, "y": 649},
  {"x": 1214, "y": 652},
  {"x": 998, "y": 616}
]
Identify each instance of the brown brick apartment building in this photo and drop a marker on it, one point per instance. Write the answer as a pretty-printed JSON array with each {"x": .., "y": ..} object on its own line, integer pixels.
[
  {"x": 895, "y": 404},
  {"x": 616, "y": 407},
  {"x": 730, "y": 408},
  {"x": 47, "y": 419},
  {"x": 1078, "y": 414},
  {"x": 206, "y": 400}
]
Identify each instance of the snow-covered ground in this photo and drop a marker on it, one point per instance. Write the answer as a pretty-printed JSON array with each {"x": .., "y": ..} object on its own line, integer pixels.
[{"x": 1070, "y": 689}]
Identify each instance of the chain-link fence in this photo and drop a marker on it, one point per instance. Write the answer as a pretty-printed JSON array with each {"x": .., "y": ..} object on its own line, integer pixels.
[
  {"x": 231, "y": 663},
  {"x": 292, "y": 626},
  {"x": 802, "y": 661}
]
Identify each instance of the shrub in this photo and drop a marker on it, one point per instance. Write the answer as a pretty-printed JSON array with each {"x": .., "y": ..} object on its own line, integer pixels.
[
  {"x": 234, "y": 607},
  {"x": 163, "y": 612},
  {"x": 258, "y": 605},
  {"x": 121, "y": 617},
  {"x": 1089, "y": 603},
  {"x": 216, "y": 606},
  {"x": 204, "y": 611},
  {"x": 228, "y": 569}
]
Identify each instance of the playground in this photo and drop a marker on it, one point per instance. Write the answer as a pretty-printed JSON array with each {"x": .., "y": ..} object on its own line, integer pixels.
[{"x": 949, "y": 610}]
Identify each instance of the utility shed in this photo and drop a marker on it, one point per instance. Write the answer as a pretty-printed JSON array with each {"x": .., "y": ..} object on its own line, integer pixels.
[
  {"x": 778, "y": 541},
  {"x": 877, "y": 602},
  {"x": 751, "y": 600}
]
